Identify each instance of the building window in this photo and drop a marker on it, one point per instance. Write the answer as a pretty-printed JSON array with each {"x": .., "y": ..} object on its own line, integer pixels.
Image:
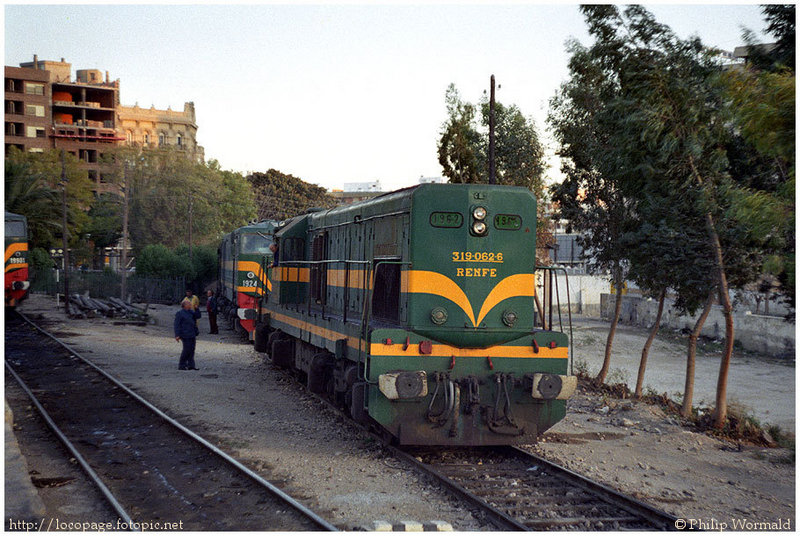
[
  {"x": 147, "y": 138},
  {"x": 180, "y": 140},
  {"x": 161, "y": 139},
  {"x": 34, "y": 132},
  {"x": 36, "y": 110},
  {"x": 129, "y": 136},
  {"x": 32, "y": 88},
  {"x": 35, "y": 150},
  {"x": 11, "y": 129},
  {"x": 11, "y": 87},
  {"x": 11, "y": 108}
]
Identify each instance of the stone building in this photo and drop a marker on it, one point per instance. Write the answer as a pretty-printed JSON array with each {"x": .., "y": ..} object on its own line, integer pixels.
[{"x": 149, "y": 127}]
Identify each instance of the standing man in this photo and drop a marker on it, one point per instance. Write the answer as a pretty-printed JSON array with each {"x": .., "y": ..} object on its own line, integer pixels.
[
  {"x": 211, "y": 309},
  {"x": 186, "y": 332},
  {"x": 191, "y": 298}
]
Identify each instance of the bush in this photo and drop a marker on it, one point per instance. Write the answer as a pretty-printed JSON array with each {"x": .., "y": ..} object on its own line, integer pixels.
[
  {"x": 156, "y": 260},
  {"x": 39, "y": 259},
  {"x": 204, "y": 263}
]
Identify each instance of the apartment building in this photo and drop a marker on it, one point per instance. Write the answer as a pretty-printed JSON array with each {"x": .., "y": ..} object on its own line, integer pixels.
[
  {"x": 45, "y": 108},
  {"x": 28, "y": 116}
]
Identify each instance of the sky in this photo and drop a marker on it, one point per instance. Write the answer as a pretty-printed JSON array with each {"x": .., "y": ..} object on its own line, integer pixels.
[{"x": 331, "y": 93}]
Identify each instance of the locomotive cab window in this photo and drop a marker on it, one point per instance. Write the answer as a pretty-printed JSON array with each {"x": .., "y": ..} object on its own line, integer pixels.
[
  {"x": 15, "y": 228},
  {"x": 386, "y": 293},
  {"x": 255, "y": 243}
]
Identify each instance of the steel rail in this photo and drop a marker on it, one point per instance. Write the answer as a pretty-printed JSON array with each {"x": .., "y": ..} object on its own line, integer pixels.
[
  {"x": 123, "y": 514},
  {"x": 323, "y": 524},
  {"x": 634, "y": 506}
]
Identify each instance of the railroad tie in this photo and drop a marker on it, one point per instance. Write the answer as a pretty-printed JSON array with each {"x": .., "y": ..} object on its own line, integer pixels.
[{"x": 408, "y": 526}]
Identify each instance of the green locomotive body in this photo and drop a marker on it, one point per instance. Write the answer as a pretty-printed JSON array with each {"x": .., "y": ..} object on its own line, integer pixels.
[
  {"x": 416, "y": 310},
  {"x": 244, "y": 257}
]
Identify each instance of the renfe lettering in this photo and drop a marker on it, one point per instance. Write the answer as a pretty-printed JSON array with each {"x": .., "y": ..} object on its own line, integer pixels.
[{"x": 476, "y": 272}]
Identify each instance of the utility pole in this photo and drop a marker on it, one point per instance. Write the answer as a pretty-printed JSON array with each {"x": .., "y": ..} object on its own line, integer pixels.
[
  {"x": 491, "y": 134},
  {"x": 191, "y": 205},
  {"x": 64, "y": 231},
  {"x": 124, "y": 285}
]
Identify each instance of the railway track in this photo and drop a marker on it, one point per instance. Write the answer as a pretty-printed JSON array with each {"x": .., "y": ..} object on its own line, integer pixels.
[
  {"x": 150, "y": 468},
  {"x": 515, "y": 490},
  {"x": 522, "y": 491}
]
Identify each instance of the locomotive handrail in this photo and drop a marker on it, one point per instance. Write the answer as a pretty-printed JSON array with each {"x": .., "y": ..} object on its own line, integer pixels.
[
  {"x": 552, "y": 269},
  {"x": 367, "y": 313}
]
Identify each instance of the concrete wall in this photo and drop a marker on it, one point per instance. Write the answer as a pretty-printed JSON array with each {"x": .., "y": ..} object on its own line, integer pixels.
[
  {"x": 584, "y": 293},
  {"x": 766, "y": 335}
]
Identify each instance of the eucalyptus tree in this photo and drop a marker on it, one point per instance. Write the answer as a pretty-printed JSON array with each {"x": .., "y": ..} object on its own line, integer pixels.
[{"x": 590, "y": 197}]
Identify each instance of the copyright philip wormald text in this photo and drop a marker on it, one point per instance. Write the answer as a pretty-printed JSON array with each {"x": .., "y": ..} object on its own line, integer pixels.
[
  {"x": 740, "y": 523},
  {"x": 53, "y": 523}
]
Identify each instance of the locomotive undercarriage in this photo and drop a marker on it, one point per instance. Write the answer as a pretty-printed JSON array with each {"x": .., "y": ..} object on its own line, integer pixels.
[
  {"x": 319, "y": 371},
  {"x": 459, "y": 410}
]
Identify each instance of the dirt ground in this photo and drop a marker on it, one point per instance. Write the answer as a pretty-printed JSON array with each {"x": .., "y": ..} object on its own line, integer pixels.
[{"x": 265, "y": 419}]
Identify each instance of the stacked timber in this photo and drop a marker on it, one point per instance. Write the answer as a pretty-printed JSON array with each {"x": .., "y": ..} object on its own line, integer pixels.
[{"x": 85, "y": 307}]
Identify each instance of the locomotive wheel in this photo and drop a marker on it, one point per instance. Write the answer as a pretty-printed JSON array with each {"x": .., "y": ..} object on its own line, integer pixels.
[
  {"x": 282, "y": 353},
  {"x": 261, "y": 339},
  {"x": 357, "y": 410},
  {"x": 318, "y": 372}
]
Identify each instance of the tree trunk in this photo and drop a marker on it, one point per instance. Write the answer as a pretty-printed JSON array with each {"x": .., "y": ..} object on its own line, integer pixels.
[
  {"x": 646, "y": 350},
  {"x": 688, "y": 390},
  {"x": 721, "y": 412},
  {"x": 601, "y": 377}
]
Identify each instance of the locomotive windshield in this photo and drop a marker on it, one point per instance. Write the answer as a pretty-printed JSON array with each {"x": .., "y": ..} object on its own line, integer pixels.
[
  {"x": 15, "y": 228},
  {"x": 255, "y": 243}
]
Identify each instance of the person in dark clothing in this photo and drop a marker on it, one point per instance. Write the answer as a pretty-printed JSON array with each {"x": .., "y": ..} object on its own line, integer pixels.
[
  {"x": 211, "y": 309},
  {"x": 275, "y": 249},
  {"x": 186, "y": 332}
]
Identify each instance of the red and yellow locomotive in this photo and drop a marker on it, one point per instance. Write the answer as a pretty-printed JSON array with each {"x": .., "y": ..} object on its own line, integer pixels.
[{"x": 17, "y": 283}]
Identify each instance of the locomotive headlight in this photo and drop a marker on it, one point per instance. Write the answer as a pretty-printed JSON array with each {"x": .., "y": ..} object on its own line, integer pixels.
[
  {"x": 509, "y": 317},
  {"x": 439, "y": 315},
  {"x": 479, "y": 213},
  {"x": 479, "y": 228}
]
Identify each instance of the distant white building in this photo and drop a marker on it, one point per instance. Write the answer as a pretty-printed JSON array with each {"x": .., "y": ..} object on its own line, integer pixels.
[
  {"x": 374, "y": 186},
  {"x": 432, "y": 180}
]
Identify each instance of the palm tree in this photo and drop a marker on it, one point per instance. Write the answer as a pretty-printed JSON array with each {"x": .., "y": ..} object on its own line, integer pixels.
[{"x": 27, "y": 193}]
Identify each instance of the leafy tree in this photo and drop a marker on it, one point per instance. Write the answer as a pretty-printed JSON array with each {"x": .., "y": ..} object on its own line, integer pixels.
[
  {"x": 665, "y": 121},
  {"x": 280, "y": 196},
  {"x": 459, "y": 145},
  {"x": 105, "y": 220},
  {"x": 590, "y": 197},
  {"x": 44, "y": 177},
  {"x": 166, "y": 191},
  {"x": 27, "y": 193},
  {"x": 203, "y": 262},
  {"x": 464, "y": 145}
]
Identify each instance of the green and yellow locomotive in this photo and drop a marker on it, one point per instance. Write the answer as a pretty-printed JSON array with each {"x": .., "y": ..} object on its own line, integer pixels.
[
  {"x": 417, "y": 310},
  {"x": 244, "y": 257}
]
